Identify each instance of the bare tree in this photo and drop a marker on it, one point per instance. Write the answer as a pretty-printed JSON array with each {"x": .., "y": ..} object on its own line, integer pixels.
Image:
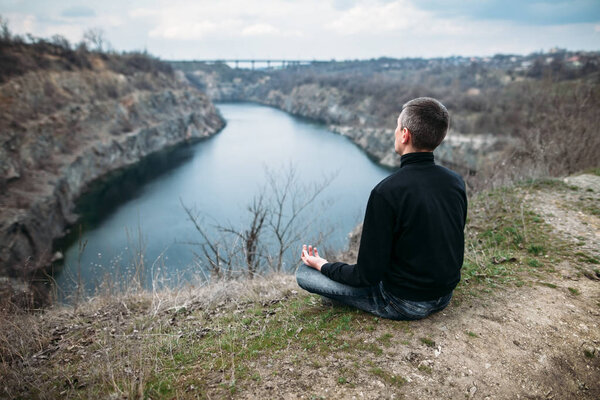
[
  {"x": 4, "y": 29},
  {"x": 277, "y": 222},
  {"x": 94, "y": 38},
  {"x": 554, "y": 128},
  {"x": 60, "y": 41},
  {"x": 215, "y": 253},
  {"x": 287, "y": 204},
  {"x": 250, "y": 237}
]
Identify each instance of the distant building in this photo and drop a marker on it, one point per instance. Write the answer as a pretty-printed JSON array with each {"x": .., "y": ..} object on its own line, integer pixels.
[{"x": 574, "y": 61}]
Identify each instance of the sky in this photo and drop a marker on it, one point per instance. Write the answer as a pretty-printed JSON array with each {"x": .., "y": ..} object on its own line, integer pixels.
[{"x": 316, "y": 29}]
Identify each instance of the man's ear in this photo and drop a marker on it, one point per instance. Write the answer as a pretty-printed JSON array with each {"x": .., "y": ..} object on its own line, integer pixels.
[{"x": 405, "y": 136}]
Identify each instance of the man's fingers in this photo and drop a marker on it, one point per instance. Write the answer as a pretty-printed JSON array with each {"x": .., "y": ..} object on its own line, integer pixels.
[{"x": 309, "y": 251}]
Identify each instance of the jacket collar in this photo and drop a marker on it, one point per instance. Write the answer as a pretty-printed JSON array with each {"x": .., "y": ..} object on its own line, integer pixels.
[{"x": 419, "y": 157}]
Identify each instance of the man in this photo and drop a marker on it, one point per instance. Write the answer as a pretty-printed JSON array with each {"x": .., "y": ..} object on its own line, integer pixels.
[{"x": 412, "y": 243}]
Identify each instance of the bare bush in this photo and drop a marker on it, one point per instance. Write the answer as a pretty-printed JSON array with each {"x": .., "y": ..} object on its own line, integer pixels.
[
  {"x": 20, "y": 56},
  {"x": 555, "y": 125},
  {"x": 60, "y": 42},
  {"x": 95, "y": 38},
  {"x": 277, "y": 221},
  {"x": 4, "y": 29},
  {"x": 562, "y": 133}
]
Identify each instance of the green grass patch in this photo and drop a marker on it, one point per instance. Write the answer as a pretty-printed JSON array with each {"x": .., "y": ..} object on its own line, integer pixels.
[
  {"x": 588, "y": 204},
  {"x": 593, "y": 171},
  {"x": 535, "y": 249},
  {"x": 425, "y": 368},
  {"x": 427, "y": 341},
  {"x": 159, "y": 388},
  {"x": 534, "y": 262},
  {"x": 586, "y": 258},
  {"x": 505, "y": 238},
  {"x": 472, "y": 334},
  {"x": 573, "y": 291},
  {"x": 239, "y": 339},
  {"x": 391, "y": 379},
  {"x": 546, "y": 183},
  {"x": 385, "y": 339}
]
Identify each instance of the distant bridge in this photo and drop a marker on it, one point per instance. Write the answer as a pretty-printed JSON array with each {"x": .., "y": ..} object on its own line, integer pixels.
[{"x": 257, "y": 62}]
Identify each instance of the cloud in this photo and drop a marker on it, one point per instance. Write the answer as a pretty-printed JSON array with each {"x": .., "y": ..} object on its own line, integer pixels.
[
  {"x": 321, "y": 29},
  {"x": 23, "y": 23},
  {"x": 194, "y": 30},
  {"x": 143, "y": 13},
  {"x": 259, "y": 30},
  {"x": 343, "y": 4},
  {"x": 377, "y": 18},
  {"x": 539, "y": 12},
  {"x": 43, "y": 26},
  {"x": 228, "y": 19},
  {"x": 78, "y": 12}
]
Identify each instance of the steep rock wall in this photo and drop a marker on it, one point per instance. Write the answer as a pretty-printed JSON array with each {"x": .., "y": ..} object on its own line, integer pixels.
[{"x": 60, "y": 131}]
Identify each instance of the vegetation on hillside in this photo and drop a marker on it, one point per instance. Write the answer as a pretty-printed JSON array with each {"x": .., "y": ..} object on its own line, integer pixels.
[{"x": 26, "y": 54}]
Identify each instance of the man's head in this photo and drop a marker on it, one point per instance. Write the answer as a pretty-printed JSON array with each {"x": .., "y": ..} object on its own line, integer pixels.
[{"x": 422, "y": 125}]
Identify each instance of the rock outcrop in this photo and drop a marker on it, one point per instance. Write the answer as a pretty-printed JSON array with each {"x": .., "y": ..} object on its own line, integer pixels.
[{"x": 62, "y": 130}]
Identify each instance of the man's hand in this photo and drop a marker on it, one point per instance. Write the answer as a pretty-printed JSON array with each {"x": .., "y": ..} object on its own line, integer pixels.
[{"x": 311, "y": 258}]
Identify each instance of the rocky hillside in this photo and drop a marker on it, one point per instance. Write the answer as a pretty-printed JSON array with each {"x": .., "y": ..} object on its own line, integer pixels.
[{"x": 67, "y": 118}]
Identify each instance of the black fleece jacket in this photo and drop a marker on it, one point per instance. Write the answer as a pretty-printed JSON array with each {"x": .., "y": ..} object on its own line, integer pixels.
[{"x": 413, "y": 233}]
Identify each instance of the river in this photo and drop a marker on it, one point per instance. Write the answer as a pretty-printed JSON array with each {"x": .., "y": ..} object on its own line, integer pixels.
[{"x": 141, "y": 210}]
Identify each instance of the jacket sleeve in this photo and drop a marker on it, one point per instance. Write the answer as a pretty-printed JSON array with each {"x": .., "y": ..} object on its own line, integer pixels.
[{"x": 375, "y": 249}]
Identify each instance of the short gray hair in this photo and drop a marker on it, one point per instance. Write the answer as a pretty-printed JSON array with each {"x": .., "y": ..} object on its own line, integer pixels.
[{"x": 427, "y": 120}]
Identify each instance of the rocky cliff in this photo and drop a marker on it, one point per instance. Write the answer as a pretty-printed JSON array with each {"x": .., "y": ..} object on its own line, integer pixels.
[{"x": 64, "y": 128}]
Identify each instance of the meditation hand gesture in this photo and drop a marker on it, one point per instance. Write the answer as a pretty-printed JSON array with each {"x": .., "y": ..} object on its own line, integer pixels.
[{"x": 312, "y": 258}]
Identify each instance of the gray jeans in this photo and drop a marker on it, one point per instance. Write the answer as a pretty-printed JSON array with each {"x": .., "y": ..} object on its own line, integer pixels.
[{"x": 372, "y": 299}]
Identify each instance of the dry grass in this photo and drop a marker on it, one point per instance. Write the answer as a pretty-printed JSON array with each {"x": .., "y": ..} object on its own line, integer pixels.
[{"x": 114, "y": 345}]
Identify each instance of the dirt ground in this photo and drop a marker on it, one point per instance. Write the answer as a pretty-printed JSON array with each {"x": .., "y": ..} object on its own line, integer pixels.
[{"x": 538, "y": 341}]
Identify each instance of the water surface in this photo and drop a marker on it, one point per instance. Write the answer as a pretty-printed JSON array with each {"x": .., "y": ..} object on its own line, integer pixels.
[{"x": 141, "y": 208}]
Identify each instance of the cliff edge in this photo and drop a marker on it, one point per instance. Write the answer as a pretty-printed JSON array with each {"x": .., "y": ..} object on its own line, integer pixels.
[{"x": 68, "y": 121}]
